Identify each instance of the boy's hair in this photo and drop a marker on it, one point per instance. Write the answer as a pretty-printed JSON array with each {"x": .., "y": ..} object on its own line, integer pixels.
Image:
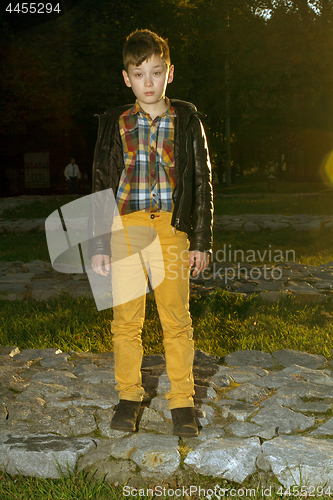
[{"x": 142, "y": 44}]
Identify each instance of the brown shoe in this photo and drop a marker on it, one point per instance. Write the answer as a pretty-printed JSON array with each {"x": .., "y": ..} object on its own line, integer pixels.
[
  {"x": 184, "y": 422},
  {"x": 126, "y": 415}
]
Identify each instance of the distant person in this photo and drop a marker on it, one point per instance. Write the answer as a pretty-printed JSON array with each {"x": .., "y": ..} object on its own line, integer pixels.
[{"x": 72, "y": 174}]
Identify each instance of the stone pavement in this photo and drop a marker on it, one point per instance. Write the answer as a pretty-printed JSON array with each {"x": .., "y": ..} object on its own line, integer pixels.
[
  {"x": 39, "y": 281},
  {"x": 244, "y": 222},
  {"x": 262, "y": 415}
]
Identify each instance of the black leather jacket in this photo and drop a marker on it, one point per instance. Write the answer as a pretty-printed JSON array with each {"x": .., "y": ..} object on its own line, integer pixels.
[{"x": 192, "y": 196}]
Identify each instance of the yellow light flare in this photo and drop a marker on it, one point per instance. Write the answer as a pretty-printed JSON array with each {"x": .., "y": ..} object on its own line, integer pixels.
[{"x": 326, "y": 169}]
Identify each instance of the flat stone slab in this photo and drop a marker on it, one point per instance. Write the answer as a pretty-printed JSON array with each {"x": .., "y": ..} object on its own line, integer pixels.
[
  {"x": 287, "y": 357},
  {"x": 248, "y": 392},
  {"x": 38, "y": 455},
  {"x": 273, "y": 381},
  {"x": 33, "y": 354},
  {"x": 250, "y": 226},
  {"x": 230, "y": 458},
  {"x": 98, "y": 462},
  {"x": 91, "y": 374},
  {"x": 246, "y": 429},
  {"x": 238, "y": 409},
  {"x": 323, "y": 377},
  {"x": 299, "y": 460},
  {"x": 240, "y": 375},
  {"x": 209, "y": 433},
  {"x": 153, "y": 453},
  {"x": 54, "y": 377},
  {"x": 9, "y": 351},
  {"x": 324, "y": 430},
  {"x": 291, "y": 401},
  {"x": 311, "y": 407},
  {"x": 206, "y": 415},
  {"x": 306, "y": 389},
  {"x": 286, "y": 420},
  {"x": 250, "y": 358},
  {"x": 308, "y": 226}
]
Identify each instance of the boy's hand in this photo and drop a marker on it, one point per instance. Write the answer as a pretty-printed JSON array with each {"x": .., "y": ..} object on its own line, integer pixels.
[
  {"x": 201, "y": 260},
  {"x": 97, "y": 262}
]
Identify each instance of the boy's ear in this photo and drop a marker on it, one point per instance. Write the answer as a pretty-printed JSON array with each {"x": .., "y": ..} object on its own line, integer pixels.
[
  {"x": 126, "y": 79},
  {"x": 171, "y": 73}
]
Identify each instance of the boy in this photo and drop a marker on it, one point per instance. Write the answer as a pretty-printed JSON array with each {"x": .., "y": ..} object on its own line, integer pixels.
[{"x": 154, "y": 157}]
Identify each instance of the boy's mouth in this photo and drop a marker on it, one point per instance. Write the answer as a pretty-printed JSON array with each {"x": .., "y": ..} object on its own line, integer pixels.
[{"x": 149, "y": 93}]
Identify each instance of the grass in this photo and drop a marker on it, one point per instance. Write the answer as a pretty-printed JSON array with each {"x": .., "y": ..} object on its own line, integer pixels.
[
  {"x": 309, "y": 248},
  {"x": 23, "y": 246},
  {"x": 79, "y": 486},
  {"x": 257, "y": 183},
  {"x": 37, "y": 209},
  {"x": 222, "y": 322},
  {"x": 282, "y": 205}
]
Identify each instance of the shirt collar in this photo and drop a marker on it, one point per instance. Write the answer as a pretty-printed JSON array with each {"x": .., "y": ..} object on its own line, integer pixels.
[{"x": 168, "y": 112}]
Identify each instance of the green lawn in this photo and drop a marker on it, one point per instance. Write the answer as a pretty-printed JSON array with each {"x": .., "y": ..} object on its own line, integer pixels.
[
  {"x": 37, "y": 209},
  {"x": 304, "y": 247},
  {"x": 308, "y": 248},
  {"x": 258, "y": 184},
  {"x": 78, "y": 486},
  {"x": 283, "y": 205},
  {"x": 222, "y": 322}
]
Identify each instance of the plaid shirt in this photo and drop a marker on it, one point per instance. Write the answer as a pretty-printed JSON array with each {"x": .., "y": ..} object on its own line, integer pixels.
[{"x": 148, "y": 178}]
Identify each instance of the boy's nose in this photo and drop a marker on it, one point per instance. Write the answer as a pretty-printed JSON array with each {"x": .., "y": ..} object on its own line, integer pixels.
[{"x": 148, "y": 82}]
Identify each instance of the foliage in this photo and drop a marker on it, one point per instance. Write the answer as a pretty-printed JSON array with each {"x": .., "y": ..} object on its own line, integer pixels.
[{"x": 58, "y": 75}]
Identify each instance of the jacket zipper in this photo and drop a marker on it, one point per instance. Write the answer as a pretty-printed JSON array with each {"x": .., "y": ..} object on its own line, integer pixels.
[
  {"x": 177, "y": 222},
  {"x": 99, "y": 140}
]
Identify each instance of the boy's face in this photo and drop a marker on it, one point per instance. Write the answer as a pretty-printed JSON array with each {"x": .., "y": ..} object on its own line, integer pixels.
[{"x": 149, "y": 80}]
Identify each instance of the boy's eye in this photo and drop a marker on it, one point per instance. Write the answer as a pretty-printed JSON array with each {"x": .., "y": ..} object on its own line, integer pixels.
[
  {"x": 137, "y": 74},
  {"x": 157, "y": 73}
]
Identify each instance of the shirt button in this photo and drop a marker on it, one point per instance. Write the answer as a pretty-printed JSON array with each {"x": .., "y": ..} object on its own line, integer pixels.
[
  {"x": 152, "y": 172},
  {"x": 154, "y": 194},
  {"x": 152, "y": 216}
]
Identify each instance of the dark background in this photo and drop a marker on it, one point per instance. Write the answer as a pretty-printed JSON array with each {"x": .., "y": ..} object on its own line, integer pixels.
[{"x": 273, "y": 59}]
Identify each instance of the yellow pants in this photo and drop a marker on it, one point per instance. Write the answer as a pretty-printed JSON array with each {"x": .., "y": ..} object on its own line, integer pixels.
[{"x": 172, "y": 300}]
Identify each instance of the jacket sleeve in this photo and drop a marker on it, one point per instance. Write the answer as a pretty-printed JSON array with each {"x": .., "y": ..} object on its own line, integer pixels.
[
  {"x": 202, "y": 209},
  {"x": 100, "y": 215}
]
